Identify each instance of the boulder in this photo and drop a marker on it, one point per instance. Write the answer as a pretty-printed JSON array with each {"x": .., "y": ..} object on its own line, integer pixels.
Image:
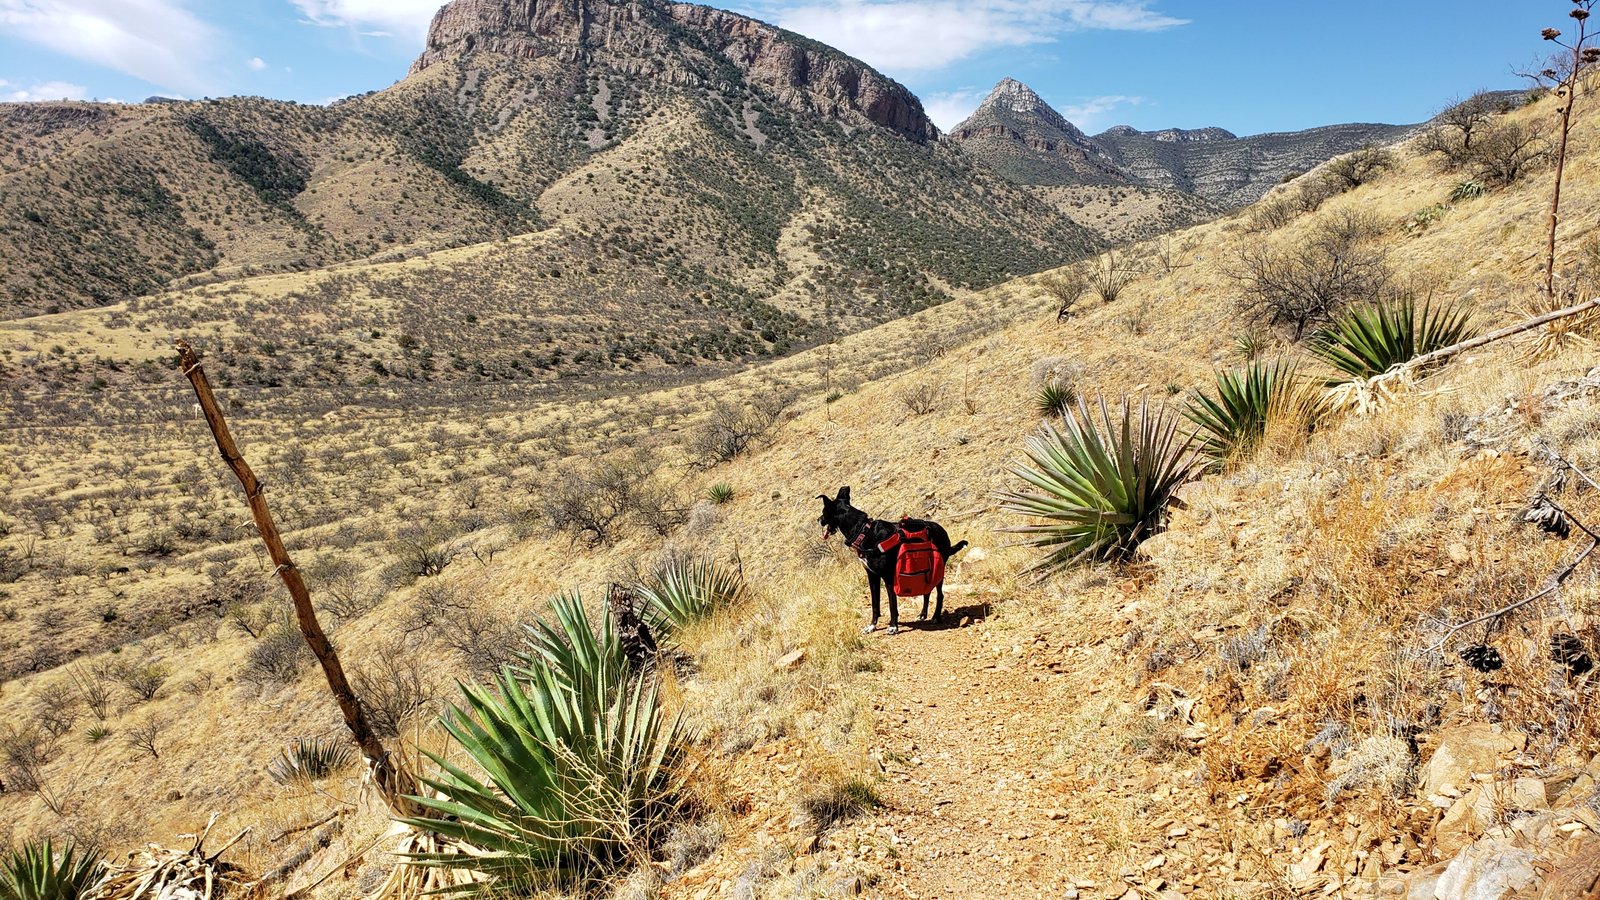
[
  {"x": 1488, "y": 870},
  {"x": 1464, "y": 751},
  {"x": 1485, "y": 805}
]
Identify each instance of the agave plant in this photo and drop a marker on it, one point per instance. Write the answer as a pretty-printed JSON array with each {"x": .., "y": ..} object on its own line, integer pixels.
[
  {"x": 308, "y": 760},
  {"x": 579, "y": 763},
  {"x": 1232, "y": 424},
  {"x": 38, "y": 871},
  {"x": 682, "y": 592},
  {"x": 1100, "y": 490},
  {"x": 1370, "y": 340}
]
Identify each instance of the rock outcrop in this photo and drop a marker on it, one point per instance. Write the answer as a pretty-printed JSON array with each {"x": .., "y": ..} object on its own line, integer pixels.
[{"x": 664, "y": 40}]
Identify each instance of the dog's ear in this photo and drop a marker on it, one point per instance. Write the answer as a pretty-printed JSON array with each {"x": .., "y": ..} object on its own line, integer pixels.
[{"x": 844, "y": 494}]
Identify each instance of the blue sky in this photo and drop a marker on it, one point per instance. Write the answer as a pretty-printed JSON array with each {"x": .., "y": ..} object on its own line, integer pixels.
[{"x": 1246, "y": 65}]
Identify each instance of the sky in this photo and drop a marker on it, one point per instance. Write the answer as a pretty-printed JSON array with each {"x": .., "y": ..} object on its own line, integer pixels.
[{"x": 1250, "y": 66}]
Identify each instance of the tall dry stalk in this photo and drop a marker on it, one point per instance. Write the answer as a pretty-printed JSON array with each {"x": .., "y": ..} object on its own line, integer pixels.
[
  {"x": 395, "y": 783},
  {"x": 1568, "y": 78}
]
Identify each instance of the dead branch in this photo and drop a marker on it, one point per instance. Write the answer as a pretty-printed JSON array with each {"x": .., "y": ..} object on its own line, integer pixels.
[
  {"x": 1550, "y": 587},
  {"x": 395, "y": 782},
  {"x": 1525, "y": 325}
]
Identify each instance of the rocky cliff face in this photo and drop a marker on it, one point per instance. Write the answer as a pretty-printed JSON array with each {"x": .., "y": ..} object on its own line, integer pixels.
[
  {"x": 680, "y": 43},
  {"x": 1019, "y": 135}
]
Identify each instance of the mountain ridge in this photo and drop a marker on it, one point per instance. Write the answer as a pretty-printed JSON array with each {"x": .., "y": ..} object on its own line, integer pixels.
[{"x": 1211, "y": 163}]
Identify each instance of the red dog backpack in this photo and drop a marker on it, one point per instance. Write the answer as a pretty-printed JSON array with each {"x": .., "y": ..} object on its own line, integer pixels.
[{"x": 920, "y": 567}]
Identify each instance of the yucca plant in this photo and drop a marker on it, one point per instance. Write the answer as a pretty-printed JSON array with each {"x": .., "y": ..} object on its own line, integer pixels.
[
  {"x": 576, "y": 764},
  {"x": 682, "y": 592},
  {"x": 1369, "y": 340},
  {"x": 1054, "y": 398},
  {"x": 38, "y": 871},
  {"x": 720, "y": 493},
  {"x": 1100, "y": 490},
  {"x": 1250, "y": 345},
  {"x": 310, "y": 759},
  {"x": 1232, "y": 424}
]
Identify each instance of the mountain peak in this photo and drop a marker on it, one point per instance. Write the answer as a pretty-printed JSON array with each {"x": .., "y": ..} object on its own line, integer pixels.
[
  {"x": 1014, "y": 97},
  {"x": 1036, "y": 143}
]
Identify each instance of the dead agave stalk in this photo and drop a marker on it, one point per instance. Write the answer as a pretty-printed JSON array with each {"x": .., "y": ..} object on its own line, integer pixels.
[
  {"x": 395, "y": 783},
  {"x": 161, "y": 873}
]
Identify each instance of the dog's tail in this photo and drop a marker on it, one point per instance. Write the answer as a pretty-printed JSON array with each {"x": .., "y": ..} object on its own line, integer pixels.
[{"x": 955, "y": 549}]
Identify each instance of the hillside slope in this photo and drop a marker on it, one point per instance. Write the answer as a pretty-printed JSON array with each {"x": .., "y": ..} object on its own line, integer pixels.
[
  {"x": 601, "y": 117},
  {"x": 1253, "y": 706}
]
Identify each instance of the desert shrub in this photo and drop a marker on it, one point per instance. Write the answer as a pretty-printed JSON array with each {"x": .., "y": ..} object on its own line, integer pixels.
[
  {"x": 580, "y": 765},
  {"x": 1274, "y": 212},
  {"x": 422, "y": 551},
  {"x": 392, "y": 689},
  {"x": 1466, "y": 190},
  {"x": 308, "y": 760},
  {"x": 719, "y": 493},
  {"x": 340, "y": 589},
  {"x": 593, "y": 502},
  {"x": 143, "y": 680},
  {"x": 1372, "y": 339},
  {"x": 1064, "y": 289},
  {"x": 732, "y": 428},
  {"x": 1352, "y": 170},
  {"x": 56, "y": 707},
  {"x": 145, "y": 735},
  {"x": 681, "y": 592},
  {"x": 1508, "y": 151},
  {"x": 1100, "y": 490},
  {"x": 25, "y": 749},
  {"x": 1306, "y": 284},
  {"x": 276, "y": 658},
  {"x": 1231, "y": 425},
  {"x": 38, "y": 870},
  {"x": 920, "y": 398}
]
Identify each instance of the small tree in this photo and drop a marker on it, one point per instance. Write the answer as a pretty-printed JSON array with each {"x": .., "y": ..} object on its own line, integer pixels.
[
  {"x": 1306, "y": 284},
  {"x": 1458, "y": 126}
]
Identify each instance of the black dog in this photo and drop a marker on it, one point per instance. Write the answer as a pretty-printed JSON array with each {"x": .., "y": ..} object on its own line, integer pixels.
[{"x": 863, "y": 534}]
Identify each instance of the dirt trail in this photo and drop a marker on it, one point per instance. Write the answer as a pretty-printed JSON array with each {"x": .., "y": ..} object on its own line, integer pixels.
[{"x": 1004, "y": 778}]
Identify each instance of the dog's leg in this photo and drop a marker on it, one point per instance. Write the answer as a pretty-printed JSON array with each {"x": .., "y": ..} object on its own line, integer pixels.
[
  {"x": 872, "y": 582},
  {"x": 924, "y": 616},
  {"x": 894, "y": 608},
  {"x": 938, "y": 608}
]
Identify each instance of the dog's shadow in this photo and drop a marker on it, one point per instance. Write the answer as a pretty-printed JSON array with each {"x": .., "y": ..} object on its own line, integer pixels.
[{"x": 952, "y": 617}]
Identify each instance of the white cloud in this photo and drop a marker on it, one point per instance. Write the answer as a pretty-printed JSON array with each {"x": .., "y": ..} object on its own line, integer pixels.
[
  {"x": 49, "y": 90},
  {"x": 1090, "y": 114},
  {"x": 406, "y": 19},
  {"x": 156, "y": 40},
  {"x": 949, "y": 108},
  {"x": 910, "y": 35},
  {"x": 256, "y": 63}
]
